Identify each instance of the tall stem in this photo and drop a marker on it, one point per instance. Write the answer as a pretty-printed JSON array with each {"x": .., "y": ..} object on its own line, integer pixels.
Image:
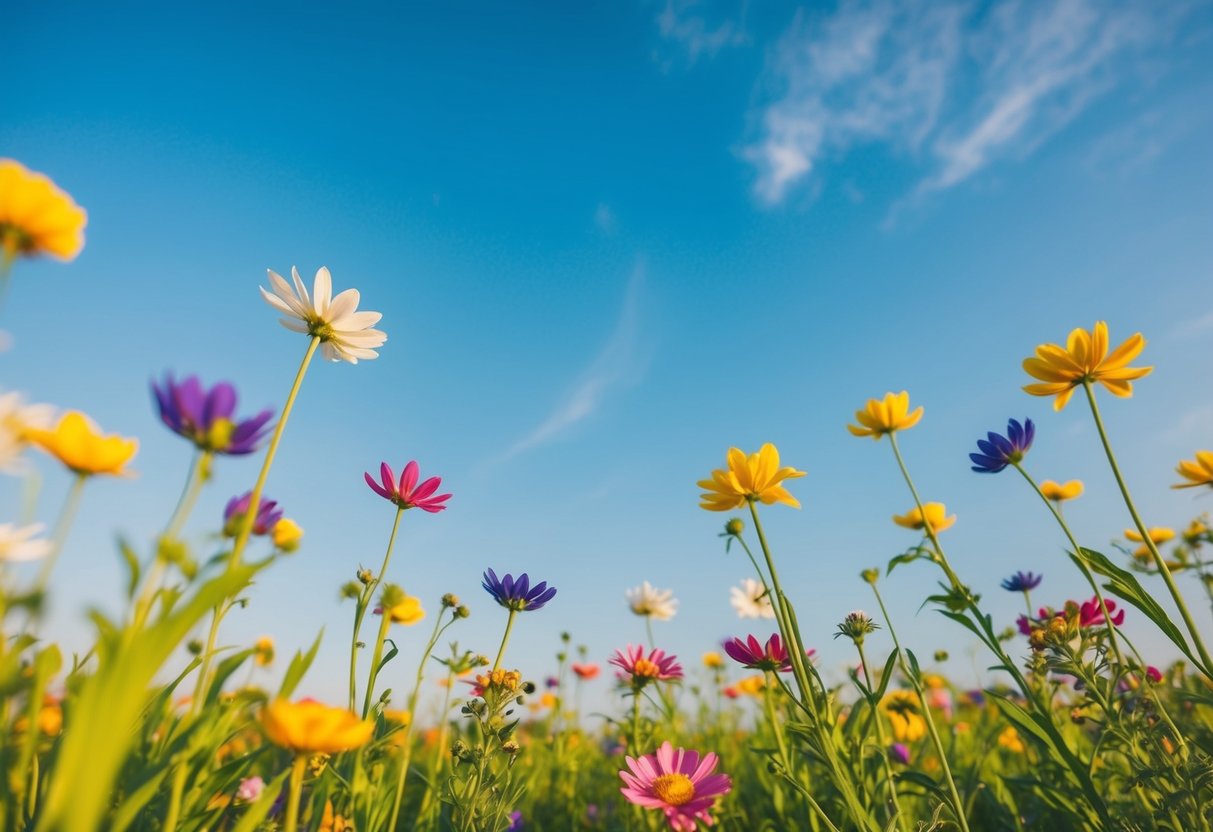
[
  {"x": 59, "y": 536},
  {"x": 505, "y": 639},
  {"x": 292, "y": 801},
  {"x": 385, "y": 621},
  {"x": 1163, "y": 569},
  {"x": 880, "y": 736},
  {"x": 364, "y": 601},
  {"x": 406, "y": 744}
]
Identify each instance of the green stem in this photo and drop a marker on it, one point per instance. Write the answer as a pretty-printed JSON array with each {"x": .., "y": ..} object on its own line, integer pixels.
[
  {"x": 505, "y": 639},
  {"x": 385, "y": 621},
  {"x": 880, "y": 736},
  {"x": 292, "y": 801},
  {"x": 174, "y": 804},
  {"x": 59, "y": 536},
  {"x": 364, "y": 602},
  {"x": 1163, "y": 569}
]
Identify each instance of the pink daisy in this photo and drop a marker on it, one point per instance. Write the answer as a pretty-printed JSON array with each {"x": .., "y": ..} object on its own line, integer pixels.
[
  {"x": 407, "y": 493},
  {"x": 639, "y": 670},
  {"x": 678, "y": 783},
  {"x": 753, "y": 654}
]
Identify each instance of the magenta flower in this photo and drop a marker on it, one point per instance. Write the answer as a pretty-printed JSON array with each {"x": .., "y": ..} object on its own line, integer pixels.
[
  {"x": 268, "y": 514},
  {"x": 677, "y": 782},
  {"x": 639, "y": 670},
  {"x": 250, "y": 789},
  {"x": 407, "y": 493},
  {"x": 1090, "y": 615},
  {"x": 899, "y": 752},
  {"x": 773, "y": 656}
]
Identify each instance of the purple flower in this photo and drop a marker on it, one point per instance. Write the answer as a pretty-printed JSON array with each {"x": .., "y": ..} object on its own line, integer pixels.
[
  {"x": 205, "y": 416},
  {"x": 997, "y": 451},
  {"x": 516, "y": 823},
  {"x": 551, "y": 682},
  {"x": 1022, "y": 582},
  {"x": 268, "y": 514},
  {"x": 899, "y": 752},
  {"x": 517, "y": 595}
]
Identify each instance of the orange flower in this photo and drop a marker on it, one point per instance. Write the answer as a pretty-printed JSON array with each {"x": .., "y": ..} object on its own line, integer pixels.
[
  {"x": 935, "y": 518},
  {"x": 1060, "y": 492},
  {"x": 36, "y": 217},
  {"x": 1197, "y": 471},
  {"x": 310, "y": 727}
]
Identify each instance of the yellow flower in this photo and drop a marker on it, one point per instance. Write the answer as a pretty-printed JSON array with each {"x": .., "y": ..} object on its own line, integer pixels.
[
  {"x": 1195, "y": 531},
  {"x": 881, "y": 416},
  {"x": 1010, "y": 740},
  {"x": 330, "y": 821},
  {"x": 1060, "y": 492},
  {"x": 748, "y": 478},
  {"x": 713, "y": 660},
  {"x": 901, "y": 707},
  {"x": 286, "y": 534},
  {"x": 310, "y": 727},
  {"x": 36, "y": 217},
  {"x": 936, "y": 518},
  {"x": 1158, "y": 534},
  {"x": 1197, "y": 471},
  {"x": 401, "y": 718},
  {"x": 79, "y": 444},
  {"x": 263, "y": 651},
  {"x": 407, "y": 612},
  {"x": 1084, "y": 359},
  {"x": 752, "y": 685}
]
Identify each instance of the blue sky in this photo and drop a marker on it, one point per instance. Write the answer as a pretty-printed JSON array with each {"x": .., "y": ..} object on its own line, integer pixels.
[{"x": 608, "y": 243}]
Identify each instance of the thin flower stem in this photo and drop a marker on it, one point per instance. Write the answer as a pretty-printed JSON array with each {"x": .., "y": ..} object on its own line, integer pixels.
[
  {"x": 880, "y": 735},
  {"x": 505, "y": 639},
  {"x": 1205, "y": 659},
  {"x": 385, "y": 621},
  {"x": 936, "y": 740},
  {"x": 62, "y": 526},
  {"x": 364, "y": 602},
  {"x": 296, "y": 790},
  {"x": 174, "y": 803},
  {"x": 648, "y": 628},
  {"x": 768, "y": 700}
]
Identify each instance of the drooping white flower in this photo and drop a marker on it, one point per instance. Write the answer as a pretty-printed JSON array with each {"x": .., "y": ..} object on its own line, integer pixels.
[
  {"x": 345, "y": 333},
  {"x": 18, "y": 543},
  {"x": 655, "y": 603},
  {"x": 16, "y": 418},
  {"x": 751, "y": 600}
]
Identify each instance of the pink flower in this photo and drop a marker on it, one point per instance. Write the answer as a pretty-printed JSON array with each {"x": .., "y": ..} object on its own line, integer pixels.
[
  {"x": 640, "y": 670},
  {"x": 772, "y": 656},
  {"x": 1090, "y": 615},
  {"x": 678, "y": 783},
  {"x": 407, "y": 493}
]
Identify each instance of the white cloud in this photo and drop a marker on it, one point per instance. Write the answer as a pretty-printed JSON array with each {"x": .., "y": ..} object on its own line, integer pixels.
[
  {"x": 685, "y": 23},
  {"x": 953, "y": 84},
  {"x": 604, "y": 218},
  {"x": 617, "y": 365}
]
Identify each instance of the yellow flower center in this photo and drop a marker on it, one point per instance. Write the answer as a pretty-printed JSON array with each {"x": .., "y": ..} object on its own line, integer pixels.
[
  {"x": 674, "y": 789},
  {"x": 646, "y": 669}
]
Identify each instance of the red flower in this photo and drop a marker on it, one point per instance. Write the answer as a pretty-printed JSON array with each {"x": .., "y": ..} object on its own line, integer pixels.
[{"x": 585, "y": 671}]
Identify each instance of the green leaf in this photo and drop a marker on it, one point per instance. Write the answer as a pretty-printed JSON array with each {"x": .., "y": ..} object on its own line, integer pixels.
[
  {"x": 298, "y": 667},
  {"x": 134, "y": 571}
]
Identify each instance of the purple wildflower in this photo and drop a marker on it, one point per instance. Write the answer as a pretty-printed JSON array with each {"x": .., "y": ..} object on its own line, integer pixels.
[
  {"x": 517, "y": 595},
  {"x": 205, "y": 416},
  {"x": 1022, "y": 582},
  {"x": 268, "y": 514},
  {"x": 997, "y": 451}
]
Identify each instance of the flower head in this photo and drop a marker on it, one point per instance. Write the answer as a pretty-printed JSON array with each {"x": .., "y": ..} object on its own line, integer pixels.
[
  {"x": 772, "y": 656},
  {"x": 639, "y": 669},
  {"x": 205, "y": 416},
  {"x": 1090, "y": 614},
  {"x": 650, "y": 602},
  {"x": 263, "y": 651},
  {"x": 1158, "y": 534},
  {"x": 286, "y": 535},
  {"x": 344, "y": 332},
  {"x": 20, "y": 543},
  {"x": 748, "y": 478},
  {"x": 585, "y": 671},
  {"x": 937, "y": 518},
  {"x": 1022, "y": 582},
  {"x": 1060, "y": 492},
  {"x": 1085, "y": 359},
  {"x": 751, "y": 600},
  {"x": 79, "y": 444},
  {"x": 16, "y": 420},
  {"x": 1197, "y": 471},
  {"x": 887, "y": 415},
  {"x": 1011, "y": 741},
  {"x": 857, "y": 626},
  {"x": 311, "y": 727},
  {"x": 250, "y": 789},
  {"x": 401, "y": 608},
  {"x": 517, "y": 595},
  {"x": 36, "y": 217},
  {"x": 406, "y": 493},
  {"x": 905, "y": 715},
  {"x": 268, "y": 515},
  {"x": 899, "y": 752},
  {"x": 713, "y": 660},
  {"x": 678, "y": 782},
  {"x": 998, "y": 451}
]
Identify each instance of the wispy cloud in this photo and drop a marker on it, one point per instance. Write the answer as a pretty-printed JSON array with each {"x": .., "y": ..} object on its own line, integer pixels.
[
  {"x": 686, "y": 23},
  {"x": 604, "y": 219},
  {"x": 956, "y": 85},
  {"x": 619, "y": 364},
  {"x": 1193, "y": 327}
]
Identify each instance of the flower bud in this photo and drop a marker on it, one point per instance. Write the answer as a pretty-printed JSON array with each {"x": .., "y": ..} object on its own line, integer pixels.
[
  {"x": 734, "y": 527},
  {"x": 870, "y": 575}
]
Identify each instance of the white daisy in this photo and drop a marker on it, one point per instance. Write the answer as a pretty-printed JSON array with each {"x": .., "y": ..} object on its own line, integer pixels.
[
  {"x": 655, "y": 603},
  {"x": 16, "y": 418},
  {"x": 345, "y": 333},
  {"x": 16, "y": 543},
  {"x": 751, "y": 600}
]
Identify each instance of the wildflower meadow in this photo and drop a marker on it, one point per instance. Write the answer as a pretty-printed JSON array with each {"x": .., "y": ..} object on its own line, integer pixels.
[{"x": 160, "y": 724}]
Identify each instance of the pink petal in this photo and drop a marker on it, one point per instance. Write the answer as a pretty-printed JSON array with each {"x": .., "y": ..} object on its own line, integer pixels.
[
  {"x": 408, "y": 479},
  {"x": 665, "y": 758},
  {"x": 689, "y": 762},
  {"x": 388, "y": 478},
  {"x": 378, "y": 489},
  {"x": 705, "y": 768},
  {"x": 425, "y": 489}
]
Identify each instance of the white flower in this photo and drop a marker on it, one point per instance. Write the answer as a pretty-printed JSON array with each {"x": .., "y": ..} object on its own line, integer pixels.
[
  {"x": 654, "y": 603},
  {"x": 16, "y": 545},
  {"x": 345, "y": 333},
  {"x": 751, "y": 600},
  {"x": 17, "y": 417}
]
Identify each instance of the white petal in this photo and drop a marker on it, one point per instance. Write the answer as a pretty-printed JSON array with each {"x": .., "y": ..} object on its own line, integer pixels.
[
  {"x": 362, "y": 337},
  {"x": 294, "y": 325},
  {"x": 356, "y": 320},
  {"x": 342, "y": 305},
  {"x": 330, "y": 351},
  {"x": 283, "y": 290},
  {"x": 300, "y": 289},
  {"x": 322, "y": 292},
  {"x": 278, "y": 303}
]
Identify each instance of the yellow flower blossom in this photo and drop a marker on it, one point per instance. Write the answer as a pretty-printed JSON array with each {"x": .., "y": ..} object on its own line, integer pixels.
[
  {"x": 1195, "y": 531},
  {"x": 1010, "y": 740},
  {"x": 36, "y": 217},
  {"x": 1197, "y": 471},
  {"x": 936, "y": 517},
  {"x": 330, "y": 821},
  {"x": 905, "y": 715},
  {"x": 1158, "y": 535},
  {"x": 1084, "y": 359},
  {"x": 407, "y": 612},
  {"x": 310, "y": 727},
  {"x": 713, "y": 660},
  {"x": 1060, "y": 492},
  {"x": 881, "y": 416},
  {"x": 263, "y": 651},
  {"x": 748, "y": 478},
  {"x": 286, "y": 534},
  {"x": 752, "y": 685},
  {"x": 79, "y": 444}
]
